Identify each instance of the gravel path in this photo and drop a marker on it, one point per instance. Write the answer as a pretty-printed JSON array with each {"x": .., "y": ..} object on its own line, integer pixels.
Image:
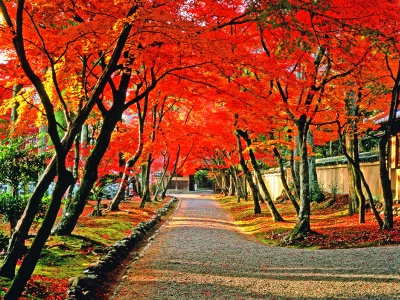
[{"x": 199, "y": 254}]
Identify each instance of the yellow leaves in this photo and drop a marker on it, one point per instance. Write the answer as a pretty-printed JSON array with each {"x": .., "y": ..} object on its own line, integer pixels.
[
  {"x": 119, "y": 25},
  {"x": 22, "y": 101},
  {"x": 266, "y": 145}
]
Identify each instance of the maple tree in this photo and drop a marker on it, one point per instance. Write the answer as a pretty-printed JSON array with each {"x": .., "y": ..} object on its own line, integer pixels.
[
  {"x": 194, "y": 66},
  {"x": 100, "y": 70},
  {"x": 302, "y": 62},
  {"x": 94, "y": 43}
]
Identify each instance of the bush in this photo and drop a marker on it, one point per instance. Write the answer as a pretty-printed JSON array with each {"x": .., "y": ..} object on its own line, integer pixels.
[
  {"x": 317, "y": 194},
  {"x": 11, "y": 207}
]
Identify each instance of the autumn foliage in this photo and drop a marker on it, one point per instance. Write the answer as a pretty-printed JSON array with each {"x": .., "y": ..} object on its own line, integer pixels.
[{"x": 130, "y": 88}]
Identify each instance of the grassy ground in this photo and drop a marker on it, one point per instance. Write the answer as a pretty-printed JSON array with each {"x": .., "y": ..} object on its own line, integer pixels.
[
  {"x": 333, "y": 227},
  {"x": 66, "y": 257}
]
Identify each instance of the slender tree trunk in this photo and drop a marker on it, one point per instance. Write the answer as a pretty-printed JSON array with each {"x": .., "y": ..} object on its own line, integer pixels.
[
  {"x": 295, "y": 178},
  {"x": 147, "y": 192},
  {"x": 354, "y": 202},
  {"x": 75, "y": 168},
  {"x": 362, "y": 178},
  {"x": 28, "y": 265},
  {"x": 13, "y": 220},
  {"x": 370, "y": 197},
  {"x": 386, "y": 185},
  {"x": 218, "y": 179},
  {"x": 316, "y": 193},
  {"x": 384, "y": 154},
  {"x": 224, "y": 182},
  {"x": 161, "y": 185},
  {"x": 352, "y": 149},
  {"x": 76, "y": 207},
  {"x": 164, "y": 192},
  {"x": 16, "y": 245},
  {"x": 357, "y": 181},
  {"x": 237, "y": 183},
  {"x": 114, "y": 205},
  {"x": 295, "y": 163},
  {"x": 249, "y": 178},
  {"x": 284, "y": 181},
  {"x": 142, "y": 180},
  {"x": 134, "y": 183},
  {"x": 276, "y": 217}
]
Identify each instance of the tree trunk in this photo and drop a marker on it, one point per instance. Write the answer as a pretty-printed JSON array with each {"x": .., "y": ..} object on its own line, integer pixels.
[
  {"x": 295, "y": 177},
  {"x": 224, "y": 183},
  {"x": 370, "y": 197},
  {"x": 295, "y": 166},
  {"x": 353, "y": 199},
  {"x": 16, "y": 245},
  {"x": 303, "y": 219},
  {"x": 237, "y": 182},
  {"x": 249, "y": 178},
  {"x": 161, "y": 185},
  {"x": 76, "y": 207},
  {"x": 362, "y": 178},
  {"x": 28, "y": 265},
  {"x": 164, "y": 192},
  {"x": 114, "y": 205},
  {"x": 386, "y": 185},
  {"x": 357, "y": 181},
  {"x": 75, "y": 168},
  {"x": 147, "y": 192},
  {"x": 284, "y": 182},
  {"x": 13, "y": 220},
  {"x": 316, "y": 193},
  {"x": 276, "y": 217},
  {"x": 384, "y": 153}
]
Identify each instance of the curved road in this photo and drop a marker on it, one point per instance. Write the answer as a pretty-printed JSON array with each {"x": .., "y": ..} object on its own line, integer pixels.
[{"x": 199, "y": 254}]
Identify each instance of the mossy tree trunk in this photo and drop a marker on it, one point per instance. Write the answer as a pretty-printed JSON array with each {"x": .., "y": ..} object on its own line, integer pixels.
[{"x": 302, "y": 226}]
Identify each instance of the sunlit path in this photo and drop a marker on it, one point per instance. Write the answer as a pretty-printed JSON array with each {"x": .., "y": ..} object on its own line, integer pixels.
[{"x": 199, "y": 254}]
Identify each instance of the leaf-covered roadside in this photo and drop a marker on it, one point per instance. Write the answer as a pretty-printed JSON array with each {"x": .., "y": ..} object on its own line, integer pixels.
[
  {"x": 332, "y": 227},
  {"x": 66, "y": 257}
]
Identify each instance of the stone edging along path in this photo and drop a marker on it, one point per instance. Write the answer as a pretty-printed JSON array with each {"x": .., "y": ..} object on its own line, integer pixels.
[{"x": 83, "y": 287}]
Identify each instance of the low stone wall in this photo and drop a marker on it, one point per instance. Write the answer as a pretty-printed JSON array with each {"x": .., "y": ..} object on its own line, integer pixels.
[{"x": 84, "y": 287}]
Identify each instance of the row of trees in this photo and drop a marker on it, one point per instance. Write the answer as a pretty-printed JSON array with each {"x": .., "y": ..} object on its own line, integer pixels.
[{"x": 179, "y": 85}]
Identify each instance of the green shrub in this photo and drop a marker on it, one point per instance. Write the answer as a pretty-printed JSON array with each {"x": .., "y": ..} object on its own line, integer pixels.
[
  {"x": 11, "y": 207},
  {"x": 317, "y": 194}
]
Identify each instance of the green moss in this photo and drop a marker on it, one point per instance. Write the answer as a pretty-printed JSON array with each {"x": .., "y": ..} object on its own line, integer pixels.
[
  {"x": 63, "y": 257},
  {"x": 104, "y": 230}
]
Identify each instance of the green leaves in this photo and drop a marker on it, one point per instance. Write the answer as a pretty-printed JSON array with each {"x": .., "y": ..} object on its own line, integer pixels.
[
  {"x": 20, "y": 162},
  {"x": 11, "y": 207}
]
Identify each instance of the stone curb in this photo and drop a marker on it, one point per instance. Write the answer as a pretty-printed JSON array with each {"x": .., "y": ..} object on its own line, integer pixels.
[{"x": 83, "y": 287}]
